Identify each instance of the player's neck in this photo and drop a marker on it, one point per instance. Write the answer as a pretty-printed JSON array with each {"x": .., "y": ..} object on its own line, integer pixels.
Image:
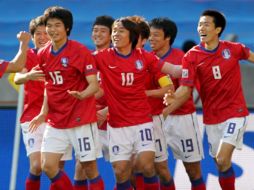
[
  {"x": 211, "y": 45},
  {"x": 124, "y": 51},
  {"x": 162, "y": 51},
  {"x": 102, "y": 47},
  {"x": 59, "y": 44}
]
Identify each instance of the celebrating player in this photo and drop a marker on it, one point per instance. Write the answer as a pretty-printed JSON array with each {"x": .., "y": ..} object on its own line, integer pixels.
[
  {"x": 215, "y": 64},
  {"x": 181, "y": 127},
  {"x": 69, "y": 103}
]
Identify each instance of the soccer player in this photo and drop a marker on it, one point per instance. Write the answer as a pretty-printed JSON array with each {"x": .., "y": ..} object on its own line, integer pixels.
[
  {"x": 101, "y": 36},
  {"x": 19, "y": 60},
  {"x": 181, "y": 127},
  {"x": 215, "y": 64},
  {"x": 33, "y": 78},
  {"x": 69, "y": 103},
  {"x": 156, "y": 86},
  {"x": 123, "y": 69}
]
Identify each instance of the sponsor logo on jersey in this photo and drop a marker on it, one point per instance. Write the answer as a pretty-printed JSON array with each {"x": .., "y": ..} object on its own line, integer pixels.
[
  {"x": 64, "y": 61},
  {"x": 139, "y": 65},
  {"x": 226, "y": 54},
  {"x": 185, "y": 73}
]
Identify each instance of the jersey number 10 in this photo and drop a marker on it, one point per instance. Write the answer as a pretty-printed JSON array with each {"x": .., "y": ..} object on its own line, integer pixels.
[{"x": 127, "y": 79}]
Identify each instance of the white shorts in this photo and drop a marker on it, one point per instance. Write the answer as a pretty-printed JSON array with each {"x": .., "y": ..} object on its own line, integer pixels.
[
  {"x": 183, "y": 137},
  {"x": 82, "y": 138},
  {"x": 33, "y": 141},
  {"x": 125, "y": 141},
  {"x": 161, "y": 153},
  {"x": 103, "y": 138},
  {"x": 231, "y": 131}
]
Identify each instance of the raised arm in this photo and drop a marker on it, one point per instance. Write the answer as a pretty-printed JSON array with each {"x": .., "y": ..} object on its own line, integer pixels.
[{"x": 18, "y": 62}]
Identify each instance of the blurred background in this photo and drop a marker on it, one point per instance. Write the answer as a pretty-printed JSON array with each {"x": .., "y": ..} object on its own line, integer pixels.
[{"x": 15, "y": 16}]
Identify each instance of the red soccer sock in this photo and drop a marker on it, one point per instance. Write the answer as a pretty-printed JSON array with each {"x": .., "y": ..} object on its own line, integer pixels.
[
  {"x": 151, "y": 183},
  {"x": 168, "y": 186},
  {"x": 33, "y": 182},
  {"x": 227, "y": 179},
  {"x": 198, "y": 184},
  {"x": 139, "y": 179},
  {"x": 80, "y": 185},
  {"x": 96, "y": 183},
  {"x": 61, "y": 182}
]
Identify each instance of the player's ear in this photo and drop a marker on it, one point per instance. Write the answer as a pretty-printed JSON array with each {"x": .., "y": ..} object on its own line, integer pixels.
[{"x": 218, "y": 30}]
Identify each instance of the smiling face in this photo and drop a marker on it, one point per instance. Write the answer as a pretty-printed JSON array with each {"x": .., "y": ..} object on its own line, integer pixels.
[
  {"x": 57, "y": 31},
  {"x": 208, "y": 33},
  {"x": 121, "y": 38},
  {"x": 40, "y": 37},
  {"x": 101, "y": 37},
  {"x": 158, "y": 42}
]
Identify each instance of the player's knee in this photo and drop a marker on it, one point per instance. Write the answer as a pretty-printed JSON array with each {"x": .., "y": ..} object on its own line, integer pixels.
[
  {"x": 90, "y": 169},
  {"x": 222, "y": 163},
  {"x": 121, "y": 172},
  {"x": 149, "y": 169},
  {"x": 49, "y": 168},
  {"x": 193, "y": 173},
  {"x": 163, "y": 172},
  {"x": 35, "y": 167}
]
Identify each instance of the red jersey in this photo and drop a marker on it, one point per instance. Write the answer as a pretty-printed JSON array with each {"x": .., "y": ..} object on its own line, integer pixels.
[
  {"x": 123, "y": 80},
  {"x": 152, "y": 83},
  {"x": 101, "y": 104},
  {"x": 33, "y": 91},
  {"x": 3, "y": 67},
  {"x": 218, "y": 73},
  {"x": 66, "y": 70},
  {"x": 175, "y": 56}
]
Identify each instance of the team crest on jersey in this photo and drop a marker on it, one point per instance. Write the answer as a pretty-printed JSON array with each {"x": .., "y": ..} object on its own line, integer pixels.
[
  {"x": 226, "y": 54},
  {"x": 31, "y": 142},
  {"x": 139, "y": 65},
  {"x": 64, "y": 61},
  {"x": 185, "y": 73}
]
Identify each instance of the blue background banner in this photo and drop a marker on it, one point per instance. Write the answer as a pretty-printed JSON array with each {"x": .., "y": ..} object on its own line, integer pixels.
[{"x": 242, "y": 161}]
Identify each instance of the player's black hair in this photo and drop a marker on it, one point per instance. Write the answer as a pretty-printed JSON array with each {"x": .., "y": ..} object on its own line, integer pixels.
[
  {"x": 132, "y": 28},
  {"x": 168, "y": 26},
  {"x": 187, "y": 45},
  {"x": 62, "y": 14},
  {"x": 218, "y": 19},
  {"x": 104, "y": 20}
]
